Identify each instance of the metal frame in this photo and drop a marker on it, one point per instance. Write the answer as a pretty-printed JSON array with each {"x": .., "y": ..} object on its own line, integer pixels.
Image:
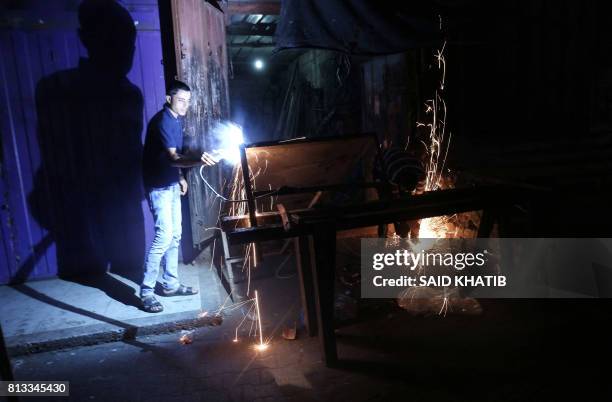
[
  {"x": 315, "y": 235},
  {"x": 252, "y": 195}
]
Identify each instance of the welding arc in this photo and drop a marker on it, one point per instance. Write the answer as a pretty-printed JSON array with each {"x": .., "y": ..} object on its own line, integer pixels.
[{"x": 227, "y": 199}]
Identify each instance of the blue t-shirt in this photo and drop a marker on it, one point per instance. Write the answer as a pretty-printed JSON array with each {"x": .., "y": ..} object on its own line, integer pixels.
[{"x": 164, "y": 131}]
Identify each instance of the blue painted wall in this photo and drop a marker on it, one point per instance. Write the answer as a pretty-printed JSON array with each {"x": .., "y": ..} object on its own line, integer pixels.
[{"x": 71, "y": 199}]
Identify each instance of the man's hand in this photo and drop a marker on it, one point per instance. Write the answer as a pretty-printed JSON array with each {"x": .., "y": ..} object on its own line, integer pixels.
[
  {"x": 183, "y": 185},
  {"x": 208, "y": 160}
]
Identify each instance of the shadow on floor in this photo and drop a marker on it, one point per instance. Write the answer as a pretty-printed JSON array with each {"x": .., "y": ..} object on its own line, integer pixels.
[
  {"x": 28, "y": 291},
  {"x": 112, "y": 287}
]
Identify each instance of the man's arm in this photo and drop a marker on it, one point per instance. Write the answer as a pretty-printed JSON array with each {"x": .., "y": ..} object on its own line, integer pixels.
[{"x": 183, "y": 161}]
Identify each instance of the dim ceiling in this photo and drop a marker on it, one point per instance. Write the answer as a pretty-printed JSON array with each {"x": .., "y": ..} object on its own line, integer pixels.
[{"x": 251, "y": 26}]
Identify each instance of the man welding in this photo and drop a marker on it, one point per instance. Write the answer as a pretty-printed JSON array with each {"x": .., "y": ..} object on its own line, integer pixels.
[{"x": 163, "y": 182}]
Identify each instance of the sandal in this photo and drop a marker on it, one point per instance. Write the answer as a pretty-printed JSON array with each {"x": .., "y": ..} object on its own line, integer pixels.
[
  {"x": 182, "y": 290},
  {"x": 151, "y": 305}
]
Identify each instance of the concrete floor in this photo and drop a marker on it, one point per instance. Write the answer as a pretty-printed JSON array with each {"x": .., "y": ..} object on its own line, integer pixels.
[
  {"x": 56, "y": 312},
  {"x": 516, "y": 350},
  {"x": 513, "y": 352}
]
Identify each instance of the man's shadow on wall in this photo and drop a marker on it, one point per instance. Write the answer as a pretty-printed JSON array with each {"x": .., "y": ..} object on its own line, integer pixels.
[{"x": 88, "y": 190}]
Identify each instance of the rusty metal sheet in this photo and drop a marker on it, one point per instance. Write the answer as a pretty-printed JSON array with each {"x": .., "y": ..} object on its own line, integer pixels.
[
  {"x": 315, "y": 162},
  {"x": 201, "y": 55}
]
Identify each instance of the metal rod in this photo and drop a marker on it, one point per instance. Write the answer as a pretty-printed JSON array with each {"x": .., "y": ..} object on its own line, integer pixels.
[
  {"x": 247, "y": 187},
  {"x": 284, "y": 190}
]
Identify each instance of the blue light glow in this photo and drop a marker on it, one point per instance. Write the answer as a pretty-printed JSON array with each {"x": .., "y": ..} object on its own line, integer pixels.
[{"x": 227, "y": 137}]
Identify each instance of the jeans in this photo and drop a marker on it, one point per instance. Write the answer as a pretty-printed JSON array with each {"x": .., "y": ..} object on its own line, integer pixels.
[{"x": 165, "y": 204}]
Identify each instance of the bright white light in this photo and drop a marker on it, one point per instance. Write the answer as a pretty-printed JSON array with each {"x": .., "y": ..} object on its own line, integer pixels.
[
  {"x": 261, "y": 347},
  {"x": 228, "y": 138},
  {"x": 258, "y": 64}
]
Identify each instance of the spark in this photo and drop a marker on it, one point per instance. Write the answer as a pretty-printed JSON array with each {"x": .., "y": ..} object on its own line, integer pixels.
[
  {"x": 238, "y": 191},
  {"x": 441, "y": 63},
  {"x": 254, "y": 307},
  {"x": 241, "y": 322},
  {"x": 433, "y": 228},
  {"x": 227, "y": 138},
  {"x": 252, "y": 326},
  {"x": 224, "y": 302},
  {"x": 444, "y": 307},
  {"x": 261, "y": 345},
  {"x": 247, "y": 265},
  {"x": 436, "y": 149}
]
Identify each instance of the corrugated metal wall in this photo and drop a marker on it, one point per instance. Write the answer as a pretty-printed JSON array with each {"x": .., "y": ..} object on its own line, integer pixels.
[{"x": 71, "y": 134}]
